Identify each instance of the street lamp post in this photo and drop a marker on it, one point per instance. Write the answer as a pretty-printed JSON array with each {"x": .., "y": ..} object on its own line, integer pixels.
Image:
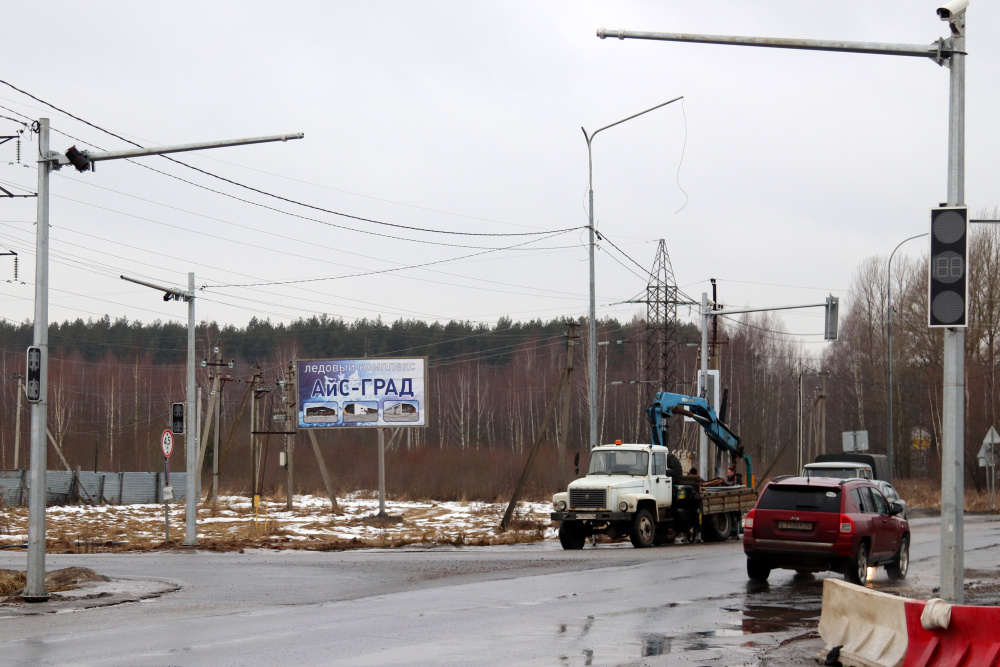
[
  {"x": 889, "y": 449},
  {"x": 34, "y": 588},
  {"x": 592, "y": 346}
]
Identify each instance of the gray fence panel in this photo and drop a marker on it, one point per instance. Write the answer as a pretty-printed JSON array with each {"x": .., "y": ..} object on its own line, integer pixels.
[
  {"x": 10, "y": 487},
  {"x": 112, "y": 487},
  {"x": 58, "y": 487},
  {"x": 126, "y": 488},
  {"x": 140, "y": 487}
]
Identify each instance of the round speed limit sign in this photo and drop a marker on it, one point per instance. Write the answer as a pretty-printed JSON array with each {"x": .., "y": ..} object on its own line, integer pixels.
[{"x": 167, "y": 443}]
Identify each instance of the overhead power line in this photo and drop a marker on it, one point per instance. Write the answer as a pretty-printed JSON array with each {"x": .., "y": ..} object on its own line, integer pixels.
[{"x": 276, "y": 196}]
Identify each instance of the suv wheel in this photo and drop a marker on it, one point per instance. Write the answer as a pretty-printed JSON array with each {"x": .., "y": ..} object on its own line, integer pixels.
[
  {"x": 857, "y": 572},
  {"x": 901, "y": 563},
  {"x": 643, "y": 529},
  {"x": 757, "y": 571},
  {"x": 718, "y": 527},
  {"x": 571, "y": 535}
]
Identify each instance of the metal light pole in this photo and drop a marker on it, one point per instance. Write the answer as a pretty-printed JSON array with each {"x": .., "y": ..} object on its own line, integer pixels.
[
  {"x": 34, "y": 589},
  {"x": 950, "y": 51},
  {"x": 592, "y": 346},
  {"x": 889, "y": 448},
  {"x": 34, "y": 585}
]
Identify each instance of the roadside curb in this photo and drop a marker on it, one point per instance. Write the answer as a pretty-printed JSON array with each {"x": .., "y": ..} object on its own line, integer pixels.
[{"x": 90, "y": 595}]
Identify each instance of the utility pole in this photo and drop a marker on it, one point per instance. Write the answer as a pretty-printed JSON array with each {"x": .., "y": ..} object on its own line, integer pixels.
[
  {"x": 214, "y": 410},
  {"x": 17, "y": 418},
  {"x": 565, "y": 383},
  {"x": 564, "y": 423},
  {"x": 254, "y": 432},
  {"x": 289, "y": 434},
  {"x": 34, "y": 588}
]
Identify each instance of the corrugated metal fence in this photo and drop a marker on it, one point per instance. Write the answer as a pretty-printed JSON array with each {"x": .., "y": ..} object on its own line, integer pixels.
[{"x": 112, "y": 488}]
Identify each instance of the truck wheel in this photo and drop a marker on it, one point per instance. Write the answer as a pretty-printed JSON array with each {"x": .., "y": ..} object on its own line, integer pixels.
[
  {"x": 901, "y": 563},
  {"x": 717, "y": 527},
  {"x": 571, "y": 535},
  {"x": 757, "y": 571},
  {"x": 643, "y": 529}
]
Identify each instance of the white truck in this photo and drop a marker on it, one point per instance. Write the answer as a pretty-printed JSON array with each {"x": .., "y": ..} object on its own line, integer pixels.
[{"x": 629, "y": 490}]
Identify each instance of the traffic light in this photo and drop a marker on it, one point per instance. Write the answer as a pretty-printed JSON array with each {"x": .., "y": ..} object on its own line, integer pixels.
[
  {"x": 948, "y": 273},
  {"x": 33, "y": 388},
  {"x": 831, "y": 324},
  {"x": 177, "y": 418}
]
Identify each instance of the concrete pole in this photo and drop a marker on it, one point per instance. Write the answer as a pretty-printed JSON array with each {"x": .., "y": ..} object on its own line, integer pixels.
[
  {"x": 34, "y": 588},
  {"x": 592, "y": 329},
  {"x": 953, "y": 404},
  {"x": 703, "y": 387},
  {"x": 191, "y": 452}
]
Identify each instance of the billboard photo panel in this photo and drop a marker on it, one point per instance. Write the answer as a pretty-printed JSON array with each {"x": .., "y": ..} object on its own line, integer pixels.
[{"x": 353, "y": 393}]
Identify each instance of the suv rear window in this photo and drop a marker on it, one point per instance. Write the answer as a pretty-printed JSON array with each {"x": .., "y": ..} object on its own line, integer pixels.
[{"x": 815, "y": 499}]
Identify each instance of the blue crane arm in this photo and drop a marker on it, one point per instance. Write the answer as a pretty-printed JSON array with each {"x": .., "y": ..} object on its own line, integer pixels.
[{"x": 666, "y": 405}]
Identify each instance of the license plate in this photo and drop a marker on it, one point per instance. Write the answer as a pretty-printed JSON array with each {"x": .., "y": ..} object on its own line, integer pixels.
[
  {"x": 794, "y": 525},
  {"x": 586, "y": 516}
]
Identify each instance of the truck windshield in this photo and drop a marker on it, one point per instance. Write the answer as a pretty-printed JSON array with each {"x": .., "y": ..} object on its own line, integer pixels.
[{"x": 620, "y": 462}]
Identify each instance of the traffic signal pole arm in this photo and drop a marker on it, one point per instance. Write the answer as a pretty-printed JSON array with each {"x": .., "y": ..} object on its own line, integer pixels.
[
  {"x": 937, "y": 51},
  {"x": 168, "y": 291},
  {"x": 83, "y": 159}
]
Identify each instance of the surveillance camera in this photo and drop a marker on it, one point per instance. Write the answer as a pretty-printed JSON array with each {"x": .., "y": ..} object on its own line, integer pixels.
[{"x": 950, "y": 10}]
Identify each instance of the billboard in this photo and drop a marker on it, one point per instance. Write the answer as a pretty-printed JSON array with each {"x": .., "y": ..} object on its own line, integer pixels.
[{"x": 354, "y": 393}]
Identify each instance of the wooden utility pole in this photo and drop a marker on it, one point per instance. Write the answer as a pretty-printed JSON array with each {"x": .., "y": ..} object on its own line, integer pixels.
[
  {"x": 254, "y": 429},
  {"x": 563, "y": 388},
  {"x": 17, "y": 417},
  {"x": 289, "y": 427},
  {"x": 563, "y": 440}
]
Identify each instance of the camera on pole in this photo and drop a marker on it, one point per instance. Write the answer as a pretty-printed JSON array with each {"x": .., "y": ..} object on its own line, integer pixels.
[
  {"x": 177, "y": 418},
  {"x": 948, "y": 272}
]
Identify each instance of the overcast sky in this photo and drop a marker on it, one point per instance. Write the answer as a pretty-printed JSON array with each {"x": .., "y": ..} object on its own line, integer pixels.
[{"x": 778, "y": 173}]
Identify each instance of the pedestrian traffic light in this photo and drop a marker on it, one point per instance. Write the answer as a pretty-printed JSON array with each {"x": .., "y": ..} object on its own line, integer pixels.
[
  {"x": 177, "y": 418},
  {"x": 948, "y": 273},
  {"x": 33, "y": 388}
]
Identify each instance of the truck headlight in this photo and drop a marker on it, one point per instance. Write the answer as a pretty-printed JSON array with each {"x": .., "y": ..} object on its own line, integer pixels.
[
  {"x": 561, "y": 505},
  {"x": 623, "y": 506}
]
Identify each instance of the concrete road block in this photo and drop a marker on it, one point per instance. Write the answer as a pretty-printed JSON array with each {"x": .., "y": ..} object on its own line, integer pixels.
[{"x": 870, "y": 626}]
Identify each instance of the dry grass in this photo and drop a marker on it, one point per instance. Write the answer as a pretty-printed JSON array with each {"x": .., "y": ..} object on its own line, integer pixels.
[
  {"x": 11, "y": 582},
  {"x": 311, "y": 525},
  {"x": 927, "y": 493}
]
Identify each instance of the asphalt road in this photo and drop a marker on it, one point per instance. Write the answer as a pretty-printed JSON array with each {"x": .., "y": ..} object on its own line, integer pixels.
[{"x": 532, "y": 604}]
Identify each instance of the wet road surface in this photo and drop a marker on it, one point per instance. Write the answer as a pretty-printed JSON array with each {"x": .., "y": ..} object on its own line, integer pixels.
[{"x": 532, "y": 604}]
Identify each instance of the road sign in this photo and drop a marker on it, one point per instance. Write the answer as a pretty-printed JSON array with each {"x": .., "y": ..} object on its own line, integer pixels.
[
  {"x": 989, "y": 453},
  {"x": 855, "y": 441},
  {"x": 167, "y": 443},
  {"x": 33, "y": 386},
  {"x": 177, "y": 418}
]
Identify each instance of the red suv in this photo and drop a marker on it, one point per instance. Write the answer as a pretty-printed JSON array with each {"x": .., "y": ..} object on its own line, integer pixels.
[{"x": 817, "y": 524}]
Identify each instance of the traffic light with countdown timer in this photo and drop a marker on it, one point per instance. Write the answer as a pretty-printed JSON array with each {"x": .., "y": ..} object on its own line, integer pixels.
[{"x": 948, "y": 273}]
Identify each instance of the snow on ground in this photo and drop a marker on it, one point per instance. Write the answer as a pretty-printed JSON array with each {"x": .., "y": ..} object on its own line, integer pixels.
[{"x": 310, "y": 523}]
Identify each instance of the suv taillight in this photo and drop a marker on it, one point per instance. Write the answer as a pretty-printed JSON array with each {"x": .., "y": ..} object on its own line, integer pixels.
[
  {"x": 748, "y": 521},
  {"x": 846, "y": 524}
]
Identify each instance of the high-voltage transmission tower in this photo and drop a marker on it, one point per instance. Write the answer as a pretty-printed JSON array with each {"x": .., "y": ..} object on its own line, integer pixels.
[{"x": 660, "y": 335}]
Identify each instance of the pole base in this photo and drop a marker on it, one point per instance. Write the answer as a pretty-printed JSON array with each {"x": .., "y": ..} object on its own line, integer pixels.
[{"x": 35, "y": 598}]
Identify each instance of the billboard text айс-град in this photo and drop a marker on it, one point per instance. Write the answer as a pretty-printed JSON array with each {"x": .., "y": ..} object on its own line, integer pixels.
[{"x": 345, "y": 393}]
